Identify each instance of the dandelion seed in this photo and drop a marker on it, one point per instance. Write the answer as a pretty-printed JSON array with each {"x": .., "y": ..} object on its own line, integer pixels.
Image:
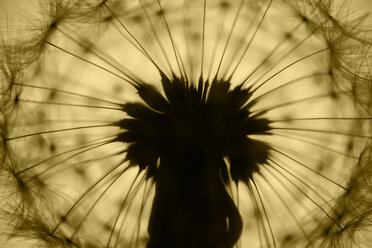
[{"x": 195, "y": 123}]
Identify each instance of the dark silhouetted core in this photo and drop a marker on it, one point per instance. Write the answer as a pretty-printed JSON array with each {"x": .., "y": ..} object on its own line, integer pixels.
[{"x": 193, "y": 142}]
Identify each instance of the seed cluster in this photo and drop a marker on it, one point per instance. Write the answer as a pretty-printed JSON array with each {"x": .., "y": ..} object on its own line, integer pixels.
[{"x": 186, "y": 123}]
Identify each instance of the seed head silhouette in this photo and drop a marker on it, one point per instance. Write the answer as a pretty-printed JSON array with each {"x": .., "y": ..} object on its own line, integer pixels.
[{"x": 186, "y": 124}]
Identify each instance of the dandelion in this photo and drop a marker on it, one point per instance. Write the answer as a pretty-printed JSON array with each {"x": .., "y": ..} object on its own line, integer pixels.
[{"x": 194, "y": 123}]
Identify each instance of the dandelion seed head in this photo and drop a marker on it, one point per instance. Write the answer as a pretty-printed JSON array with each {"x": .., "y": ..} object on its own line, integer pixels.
[
  {"x": 214, "y": 120},
  {"x": 187, "y": 124}
]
